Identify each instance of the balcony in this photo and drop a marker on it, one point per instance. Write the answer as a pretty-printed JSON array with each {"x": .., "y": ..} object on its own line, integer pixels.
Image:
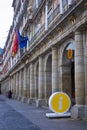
[
  {"x": 53, "y": 21},
  {"x": 26, "y": 21},
  {"x": 55, "y": 13},
  {"x": 17, "y": 7},
  {"x": 36, "y": 9},
  {"x": 38, "y": 34},
  {"x": 21, "y": 12}
]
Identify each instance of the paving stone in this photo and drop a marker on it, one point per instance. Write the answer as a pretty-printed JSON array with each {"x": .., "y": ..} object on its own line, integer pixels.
[{"x": 10, "y": 119}]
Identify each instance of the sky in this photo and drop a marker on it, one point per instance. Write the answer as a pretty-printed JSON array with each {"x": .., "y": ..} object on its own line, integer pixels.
[{"x": 6, "y": 18}]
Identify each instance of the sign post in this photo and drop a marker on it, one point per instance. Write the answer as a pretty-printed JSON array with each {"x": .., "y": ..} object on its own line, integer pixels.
[{"x": 59, "y": 103}]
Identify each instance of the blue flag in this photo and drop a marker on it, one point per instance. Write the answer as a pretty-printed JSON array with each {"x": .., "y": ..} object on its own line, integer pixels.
[{"x": 22, "y": 40}]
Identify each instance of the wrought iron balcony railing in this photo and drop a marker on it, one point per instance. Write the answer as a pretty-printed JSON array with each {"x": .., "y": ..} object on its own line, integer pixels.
[
  {"x": 55, "y": 13},
  {"x": 35, "y": 9},
  {"x": 38, "y": 34},
  {"x": 53, "y": 19}
]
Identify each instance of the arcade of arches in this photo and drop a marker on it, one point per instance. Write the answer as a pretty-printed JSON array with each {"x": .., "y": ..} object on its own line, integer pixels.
[{"x": 61, "y": 68}]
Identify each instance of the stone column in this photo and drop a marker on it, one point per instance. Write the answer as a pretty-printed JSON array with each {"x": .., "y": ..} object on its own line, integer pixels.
[
  {"x": 79, "y": 69},
  {"x": 14, "y": 85},
  {"x": 85, "y": 62},
  {"x": 31, "y": 82},
  {"x": 22, "y": 81},
  {"x": 28, "y": 82},
  {"x": 80, "y": 75},
  {"x": 41, "y": 83},
  {"x": 24, "y": 86},
  {"x": 25, "y": 83},
  {"x": 17, "y": 84},
  {"x": 54, "y": 69},
  {"x": 11, "y": 83},
  {"x": 20, "y": 84}
]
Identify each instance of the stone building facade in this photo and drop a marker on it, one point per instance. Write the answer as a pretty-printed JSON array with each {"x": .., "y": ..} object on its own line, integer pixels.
[{"x": 55, "y": 58}]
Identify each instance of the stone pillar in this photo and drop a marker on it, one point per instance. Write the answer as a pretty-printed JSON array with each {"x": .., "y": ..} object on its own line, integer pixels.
[
  {"x": 41, "y": 79},
  {"x": 80, "y": 110},
  {"x": 60, "y": 77},
  {"x": 11, "y": 83},
  {"x": 14, "y": 85},
  {"x": 41, "y": 83},
  {"x": 20, "y": 84},
  {"x": 54, "y": 69},
  {"x": 24, "y": 86},
  {"x": 85, "y": 61},
  {"x": 17, "y": 83},
  {"x": 25, "y": 83},
  {"x": 79, "y": 69},
  {"x": 31, "y": 82},
  {"x": 22, "y": 81},
  {"x": 28, "y": 82}
]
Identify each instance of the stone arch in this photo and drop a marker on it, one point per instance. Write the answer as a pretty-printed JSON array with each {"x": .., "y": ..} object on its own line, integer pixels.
[
  {"x": 63, "y": 47},
  {"x": 48, "y": 76},
  {"x": 68, "y": 79},
  {"x": 36, "y": 78}
]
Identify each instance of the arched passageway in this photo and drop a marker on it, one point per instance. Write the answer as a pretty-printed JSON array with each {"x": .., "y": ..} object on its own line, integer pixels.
[
  {"x": 68, "y": 75},
  {"x": 48, "y": 74}
]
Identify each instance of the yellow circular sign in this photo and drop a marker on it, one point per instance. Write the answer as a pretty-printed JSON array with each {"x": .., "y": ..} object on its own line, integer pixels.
[{"x": 59, "y": 102}]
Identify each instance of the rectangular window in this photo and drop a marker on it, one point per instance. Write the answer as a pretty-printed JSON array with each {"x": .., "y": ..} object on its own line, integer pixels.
[
  {"x": 56, "y": 3},
  {"x": 50, "y": 8},
  {"x": 65, "y": 5}
]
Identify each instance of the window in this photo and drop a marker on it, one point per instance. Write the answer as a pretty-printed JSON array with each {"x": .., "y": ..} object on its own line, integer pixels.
[
  {"x": 65, "y": 5},
  {"x": 50, "y": 9}
]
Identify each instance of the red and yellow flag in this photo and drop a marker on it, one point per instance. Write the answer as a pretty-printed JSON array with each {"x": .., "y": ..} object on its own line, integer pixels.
[{"x": 14, "y": 45}]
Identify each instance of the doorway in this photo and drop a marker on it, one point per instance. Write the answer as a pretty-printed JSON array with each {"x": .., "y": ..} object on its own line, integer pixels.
[{"x": 68, "y": 75}]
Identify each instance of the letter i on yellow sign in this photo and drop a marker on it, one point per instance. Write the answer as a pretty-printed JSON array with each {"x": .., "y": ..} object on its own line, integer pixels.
[{"x": 59, "y": 102}]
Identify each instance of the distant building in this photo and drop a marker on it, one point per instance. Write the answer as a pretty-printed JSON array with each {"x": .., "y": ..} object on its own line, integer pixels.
[{"x": 55, "y": 57}]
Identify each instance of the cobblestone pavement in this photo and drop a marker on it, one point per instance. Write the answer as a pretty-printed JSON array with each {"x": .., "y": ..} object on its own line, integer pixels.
[
  {"x": 15, "y": 115},
  {"x": 10, "y": 119}
]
